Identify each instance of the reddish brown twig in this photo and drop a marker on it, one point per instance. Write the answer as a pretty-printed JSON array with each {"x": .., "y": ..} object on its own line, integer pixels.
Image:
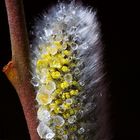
[{"x": 17, "y": 70}]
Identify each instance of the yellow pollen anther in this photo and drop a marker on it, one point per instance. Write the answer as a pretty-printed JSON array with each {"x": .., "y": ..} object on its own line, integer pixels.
[
  {"x": 57, "y": 44},
  {"x": 56, "y": 74},
  {"x": 64, "y": 85},
  {"x": 73, "y": 92},
  {"x": 67, "y": 53},
  {"x": 65, "y": 69}
]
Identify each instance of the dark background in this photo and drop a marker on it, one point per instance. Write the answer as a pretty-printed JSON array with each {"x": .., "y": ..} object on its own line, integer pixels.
[{"x": 120, "y": 34}]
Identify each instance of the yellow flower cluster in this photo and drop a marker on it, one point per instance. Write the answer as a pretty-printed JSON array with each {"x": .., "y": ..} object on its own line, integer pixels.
[{"x": 58, "y": 88}]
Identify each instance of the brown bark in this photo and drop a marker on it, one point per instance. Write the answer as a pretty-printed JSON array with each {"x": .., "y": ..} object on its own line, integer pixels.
[{"x": 17, "y": 70}]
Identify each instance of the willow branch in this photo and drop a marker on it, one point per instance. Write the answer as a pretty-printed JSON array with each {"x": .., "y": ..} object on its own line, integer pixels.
[{"x": 17, "y": 70}]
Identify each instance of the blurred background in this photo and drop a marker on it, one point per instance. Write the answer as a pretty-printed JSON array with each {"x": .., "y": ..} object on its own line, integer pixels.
[{"x": 121, "y": 38}]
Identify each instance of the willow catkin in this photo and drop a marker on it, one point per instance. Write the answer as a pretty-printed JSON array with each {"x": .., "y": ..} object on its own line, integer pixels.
[{"x": 67, "y": 72}]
